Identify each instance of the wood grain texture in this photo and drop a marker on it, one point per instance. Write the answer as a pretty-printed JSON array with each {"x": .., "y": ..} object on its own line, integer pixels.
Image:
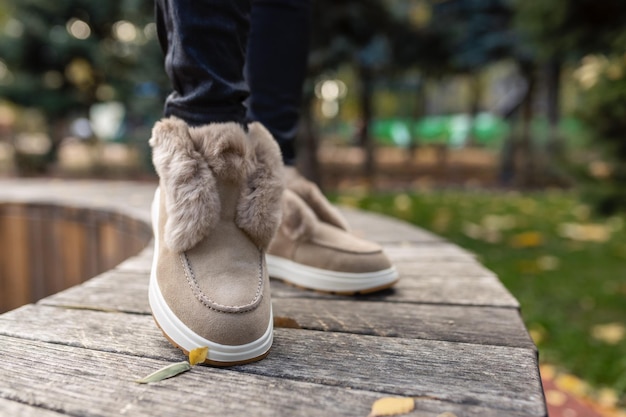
[
  {"x": 17, "y": 409},
  {"x": 478, "y": 325},
  {"x": 487, "y": 291},
  {"x": 385, "y": 229},
  {"x": 435, "y": 252},
  {"x": 15, "y": 261},
  {"x": 125, "y": 290},
  {"x": 489, "y": 376},
  {"x": 111, "y": 291},
  {"x": 83, "y": 382},
  {"x": 135, "y": 264}
]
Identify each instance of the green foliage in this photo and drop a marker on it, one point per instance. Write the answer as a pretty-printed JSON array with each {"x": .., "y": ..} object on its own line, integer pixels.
[
  {"x": 349, "y": 31},
  {"x": 572, "y": 28},
  {"x": 65, "y": 55},
  {"x": 564, "y": 266},
  {"x": 604, "y": 110},
  {"x": 477, "y": 32}
]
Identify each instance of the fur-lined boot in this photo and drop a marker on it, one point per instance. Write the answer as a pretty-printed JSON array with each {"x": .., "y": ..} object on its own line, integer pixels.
[
  {"x": 214, "y": 215},
  {"x": 314, "y": 248}
]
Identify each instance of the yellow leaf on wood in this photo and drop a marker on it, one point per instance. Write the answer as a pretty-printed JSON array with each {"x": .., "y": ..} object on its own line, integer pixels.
[
  {"x": 392, "y": 406},
  {"x": 286, "y": 322},
  {"x": 198, "y": 355}
]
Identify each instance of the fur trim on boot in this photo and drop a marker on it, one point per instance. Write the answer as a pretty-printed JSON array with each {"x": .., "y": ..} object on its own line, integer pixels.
[
  {"x": 298, "y": 219},
  {"x": 312, "y": 196},
  {"x": 191, "y": 161},
  {"x": 258, "y": 211}
]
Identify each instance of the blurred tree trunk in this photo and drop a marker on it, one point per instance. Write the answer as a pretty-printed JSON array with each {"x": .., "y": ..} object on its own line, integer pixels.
[
  {"x": 28, "y": 164},
  {"x": 419, "y": 111},
  {"x": 525, "y": 151},
  {"x": 476, "y": 91},
  {"x": 364, "y": 138},
  {"x": 308, "y": 143},
  {"x": 552, "y": 73}
]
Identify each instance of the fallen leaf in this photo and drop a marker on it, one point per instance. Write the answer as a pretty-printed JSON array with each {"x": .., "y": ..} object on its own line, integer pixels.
[
  {"x": 555, "y": 398},
  {"x": 529, "y": 239},
  {"x": 585, "y": 232},
  {"x": 499, "y": 222},
  {"x": 548, "y": 263},
  {"x": 392, "y": 406},
  {"x": 610, "y": 333},
  {"x": 198, "y": 355},
  {"x": 166, "y": 372},
  {"x": 607, "y": 397},
  {"x": 572, "y": 384},
  {"x": 286, "y": 323}
]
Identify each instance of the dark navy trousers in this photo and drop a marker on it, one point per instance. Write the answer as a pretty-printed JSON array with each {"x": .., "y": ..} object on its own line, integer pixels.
[{"x": 236, "y": 61}]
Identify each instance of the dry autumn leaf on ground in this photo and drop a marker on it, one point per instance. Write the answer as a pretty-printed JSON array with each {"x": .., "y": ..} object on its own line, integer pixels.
[
  {"x": 196, "y": 356},
  {"x": 392, "y": 406},
  {"x": 610, "y": 333}
]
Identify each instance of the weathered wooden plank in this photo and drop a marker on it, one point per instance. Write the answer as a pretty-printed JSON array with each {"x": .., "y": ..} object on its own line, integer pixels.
[
  {"x": 141, "y": 264},
  {"x": 89, "y": 382},
  {"x": 16, "y": 261},
  {"x": 36, "y": 226},
  {"x": 416, "y": 267},
  {"x": 443, "y": 269},
  {"x": 17, "y": 409},
  {"x": 125, "y": 197},
  {"x": 110, "y": 246},
  {"x": 126, "y": 290},
  {"x": 479, "y": 325},
  {"x": 131, "y": 334},
  {"x": 491, "y": 376},
  {"x": 430, "y": 252},
  {"x": 484, "y": 291},
  {"x": 385, "y": 229},
  {"x": 110, "y": 291},
  {"x": 495, "y": 377},
  {"x": 498, "y": 377}
]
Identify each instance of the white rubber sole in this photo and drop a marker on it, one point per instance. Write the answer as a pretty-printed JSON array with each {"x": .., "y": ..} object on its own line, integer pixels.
[
  {"x": 185, "y": 338},
  {"x": 329, "y": 281}
]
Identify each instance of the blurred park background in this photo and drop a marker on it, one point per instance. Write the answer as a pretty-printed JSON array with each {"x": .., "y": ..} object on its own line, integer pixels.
[{"x": 498, "y": 124}]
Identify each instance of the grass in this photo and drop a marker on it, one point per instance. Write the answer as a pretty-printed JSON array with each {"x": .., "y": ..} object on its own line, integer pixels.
[{"x": 567, "y": 269}]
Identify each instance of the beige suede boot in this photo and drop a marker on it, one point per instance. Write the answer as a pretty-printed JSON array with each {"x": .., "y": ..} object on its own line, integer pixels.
[
  {"x": 214, "y": 214},
  {"x": 314, "y": 249}
]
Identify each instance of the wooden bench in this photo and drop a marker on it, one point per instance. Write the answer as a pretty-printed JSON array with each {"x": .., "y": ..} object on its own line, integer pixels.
[{"x": 449, "y": 335}]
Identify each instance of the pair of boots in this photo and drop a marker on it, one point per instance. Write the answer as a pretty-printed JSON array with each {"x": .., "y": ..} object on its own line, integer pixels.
[{"x": 219, "y": 235}]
